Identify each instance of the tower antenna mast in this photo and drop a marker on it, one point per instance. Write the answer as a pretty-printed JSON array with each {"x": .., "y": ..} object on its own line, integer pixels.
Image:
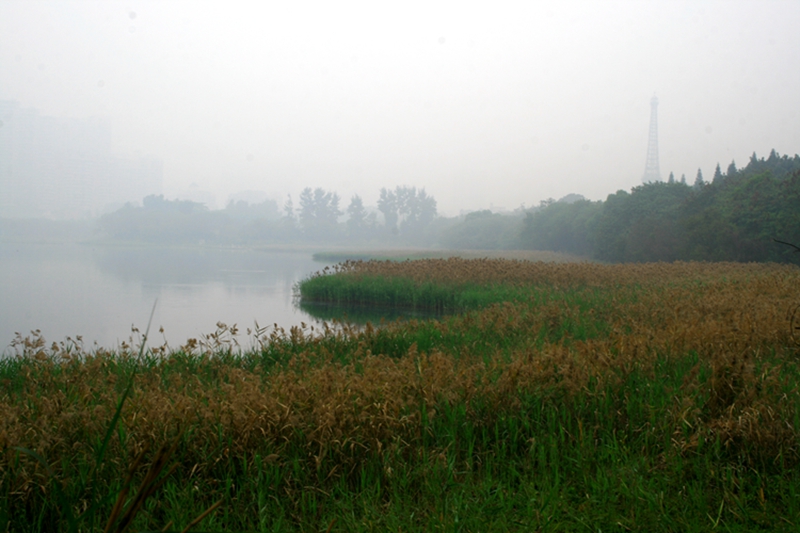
[{"x": 651, "y": 171}]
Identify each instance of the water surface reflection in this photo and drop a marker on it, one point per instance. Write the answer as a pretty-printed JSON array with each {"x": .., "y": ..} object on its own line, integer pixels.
[{"x": 99, "y": 292}]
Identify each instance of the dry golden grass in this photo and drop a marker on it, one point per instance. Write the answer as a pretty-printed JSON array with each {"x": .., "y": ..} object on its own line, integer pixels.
[{"x": 515, "y": 271}]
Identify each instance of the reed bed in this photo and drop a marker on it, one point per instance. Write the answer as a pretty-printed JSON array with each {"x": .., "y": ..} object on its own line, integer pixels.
[{"x": 657, "y": 397}]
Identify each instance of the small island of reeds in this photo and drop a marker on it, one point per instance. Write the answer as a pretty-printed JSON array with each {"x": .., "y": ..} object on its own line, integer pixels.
[{"x": 549, "y": 397}]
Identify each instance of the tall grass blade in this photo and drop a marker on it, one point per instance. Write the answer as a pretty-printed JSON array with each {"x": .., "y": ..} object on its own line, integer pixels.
[
  {"x": 202, "y": 516},
  {"x": 123, "y": 494},
  {"x": 89, "y": 513}
]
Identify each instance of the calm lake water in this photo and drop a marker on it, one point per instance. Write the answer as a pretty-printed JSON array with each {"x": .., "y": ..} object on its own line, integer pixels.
[{"x": 99, "y": 292}]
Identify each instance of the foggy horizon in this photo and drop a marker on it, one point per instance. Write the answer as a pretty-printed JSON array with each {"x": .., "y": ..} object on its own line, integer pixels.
[{"x": 483, "y": 107}]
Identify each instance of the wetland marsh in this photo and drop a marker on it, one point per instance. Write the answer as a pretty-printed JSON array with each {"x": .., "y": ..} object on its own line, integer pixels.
[{"x": 657, "y": 397}]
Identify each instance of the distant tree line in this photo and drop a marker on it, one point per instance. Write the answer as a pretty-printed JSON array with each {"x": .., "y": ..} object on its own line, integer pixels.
[
  {"x": 735, "y": 217},
  {"x": 406, "y": 217},
  {"x": 164, "y": 221}
]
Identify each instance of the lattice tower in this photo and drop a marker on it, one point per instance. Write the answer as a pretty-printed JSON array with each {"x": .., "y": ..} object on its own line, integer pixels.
[{"x": 651, "y": 170}]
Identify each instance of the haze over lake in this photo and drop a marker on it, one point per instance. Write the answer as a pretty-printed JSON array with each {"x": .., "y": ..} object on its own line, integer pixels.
[
  {"x": 99, "y": 292},
  {"x": 487, "y": 105}
]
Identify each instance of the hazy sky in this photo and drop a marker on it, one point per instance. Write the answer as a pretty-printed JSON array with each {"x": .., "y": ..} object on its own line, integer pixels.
[{"x": 485, "y": 104}]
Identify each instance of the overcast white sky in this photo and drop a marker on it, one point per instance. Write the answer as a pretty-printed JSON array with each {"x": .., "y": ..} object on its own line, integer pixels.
[{"x": 486, "y": 105}]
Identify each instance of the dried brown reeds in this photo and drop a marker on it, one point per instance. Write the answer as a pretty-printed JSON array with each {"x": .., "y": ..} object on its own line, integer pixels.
[{"x": 501, "y": 270}]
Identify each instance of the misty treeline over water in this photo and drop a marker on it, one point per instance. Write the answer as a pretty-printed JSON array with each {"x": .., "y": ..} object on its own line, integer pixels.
[
  {"x": 733, "y": 216},
  {"x": 405, "y": 216}
]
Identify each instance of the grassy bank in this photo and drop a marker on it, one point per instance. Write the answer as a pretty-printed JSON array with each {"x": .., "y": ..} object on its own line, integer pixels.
[
  {"x": 412, "y": 254},
  {"x": 636, "y": 397}
]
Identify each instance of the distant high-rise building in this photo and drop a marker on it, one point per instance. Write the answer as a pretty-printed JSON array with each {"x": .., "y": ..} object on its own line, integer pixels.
[
  {"x": 63, "y": 167},
  {"x": 651, "y": 170}
]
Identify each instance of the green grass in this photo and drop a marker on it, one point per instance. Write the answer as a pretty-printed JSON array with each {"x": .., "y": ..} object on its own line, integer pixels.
[
  {"x": 400, "y": 292},
  {"x": 397, "y": 292},
  {"x": 598, "y": 461}
]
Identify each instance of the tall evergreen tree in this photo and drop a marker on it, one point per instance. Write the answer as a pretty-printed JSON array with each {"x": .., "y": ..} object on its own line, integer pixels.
[
  {"x": 671, "y": 179},
  {"x": 731, "y": 169},
  {"x": 717, "y": 175},
  {"x": 699, "y": 183}
]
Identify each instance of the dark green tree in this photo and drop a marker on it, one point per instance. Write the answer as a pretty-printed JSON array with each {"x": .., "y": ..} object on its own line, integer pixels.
[
  {"x": 562, "y": 227},
  {"x": 699, "y": 183},
  {"x": 642, "y": 225},
  {"x": 731, "y": 172},
  {"x": 717, "y": 175},
  {"x": 773, "y": 157}
]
